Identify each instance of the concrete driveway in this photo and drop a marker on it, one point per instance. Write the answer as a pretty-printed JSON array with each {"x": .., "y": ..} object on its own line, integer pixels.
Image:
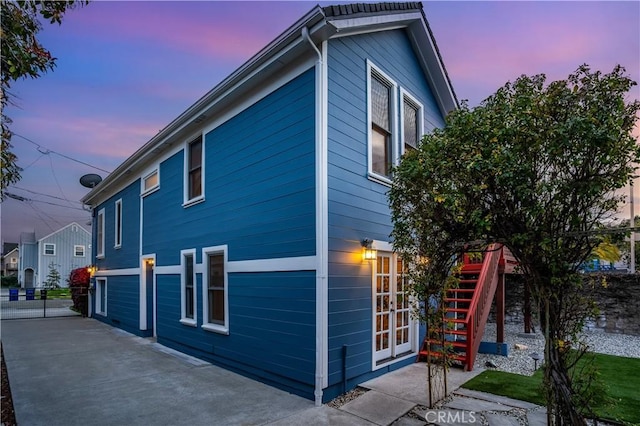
[{"x": 78, "y": 371}]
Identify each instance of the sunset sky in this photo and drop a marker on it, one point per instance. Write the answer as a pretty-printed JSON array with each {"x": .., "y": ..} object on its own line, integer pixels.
[{"x": 126, "y": 69}]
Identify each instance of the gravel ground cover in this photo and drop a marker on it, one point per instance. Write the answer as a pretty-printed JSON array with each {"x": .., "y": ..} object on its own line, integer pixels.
[{"x": 519, "y": 361}]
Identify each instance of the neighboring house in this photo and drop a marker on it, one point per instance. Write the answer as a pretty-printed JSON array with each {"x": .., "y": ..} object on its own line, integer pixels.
[
  {"x": 235, "y": 234},
  {"x": 10, "y": 259},
  {"x": 66, "y": 249},
  {"x": 28, "y": 263}
]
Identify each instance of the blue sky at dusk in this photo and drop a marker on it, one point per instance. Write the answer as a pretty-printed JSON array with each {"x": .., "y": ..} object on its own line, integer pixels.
[{"x": 127, "y": 69}]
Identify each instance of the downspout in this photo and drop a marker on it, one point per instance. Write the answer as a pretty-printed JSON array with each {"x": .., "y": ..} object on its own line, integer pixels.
[{"x": 321, "y": 228}]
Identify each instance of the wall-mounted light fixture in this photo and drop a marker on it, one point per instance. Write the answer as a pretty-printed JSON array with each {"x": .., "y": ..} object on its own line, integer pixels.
[
  {"x": 91, "y": 270},
  {"x": 368, "y": 252},
  {"x": 150, "y": 261}
]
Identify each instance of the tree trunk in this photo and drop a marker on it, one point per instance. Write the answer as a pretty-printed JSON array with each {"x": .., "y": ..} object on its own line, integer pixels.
[{"x": 561, "y": 406}]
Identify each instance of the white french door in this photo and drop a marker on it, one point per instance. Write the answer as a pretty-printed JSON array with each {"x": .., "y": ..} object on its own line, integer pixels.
[{"x": 391, "y": 308}]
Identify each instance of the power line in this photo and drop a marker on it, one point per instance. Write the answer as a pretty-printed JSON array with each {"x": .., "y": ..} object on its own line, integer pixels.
[
  {"x": 29, "y": 200},
  {"x": 45, "y": 195},
  {"x": 45, "y": 151}
]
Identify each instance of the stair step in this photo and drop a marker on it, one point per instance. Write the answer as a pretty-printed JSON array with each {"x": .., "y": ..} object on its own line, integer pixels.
[
  {"x": 454, "y": 343},
  {"x": 457, "y": 332},
  {"x": 456, "y": 320},
  {"x": 457, "y": 300},
  {"x": 468, "y": 281},
  {"x": 462, "y": 290},
  {"x": 459, "y": 310},
  {"x": 457, "y": 357}
]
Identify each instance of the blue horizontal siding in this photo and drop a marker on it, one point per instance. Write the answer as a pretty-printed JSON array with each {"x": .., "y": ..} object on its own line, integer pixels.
[
  {"x": 259, "y": 184},
  {"x": 271, "y": 327},
  {"x": 123, "y": 303},
  {"x": 128, "y": 255},
  {"x": 357, "y": 206}
]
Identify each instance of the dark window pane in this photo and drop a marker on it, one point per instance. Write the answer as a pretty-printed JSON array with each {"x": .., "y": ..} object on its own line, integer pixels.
[
  {"x": 195, "y": 168},
  {"x": 216, "y": 294},
  {"x": 380, "y": 95},
  {"x": 195, "y": 183},
  {"x": 195, "y": 154},
  {"x": 188, "y": 280},
  {"x": 410, "y": 126},
  {"x": 381, "y": 152}
]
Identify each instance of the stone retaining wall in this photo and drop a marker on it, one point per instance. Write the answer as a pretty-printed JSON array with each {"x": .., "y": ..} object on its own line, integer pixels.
[{"x": 619, "y": 303}]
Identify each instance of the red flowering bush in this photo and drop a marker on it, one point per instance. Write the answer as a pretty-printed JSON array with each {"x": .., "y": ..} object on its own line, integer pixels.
[{"x": 79, "y": 284}]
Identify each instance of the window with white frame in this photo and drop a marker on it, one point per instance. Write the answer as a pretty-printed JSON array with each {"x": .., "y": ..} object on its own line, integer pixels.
[
  {"x": 78, "y": 251},
  {"x": 49, "y": 249},
  {"x": 411, "y": 122},
  {"x": 188, "y": 293},
  {"x": 101, "y": 296},
  {"x": 118, "y": 224},
  {"x": 215, "y": 290},
  {"x": 150, "y": 182},
  {"x": 193, "y": 166},
  {"x": 381, "y": 123},
  {"x": 100, "y": 234}
]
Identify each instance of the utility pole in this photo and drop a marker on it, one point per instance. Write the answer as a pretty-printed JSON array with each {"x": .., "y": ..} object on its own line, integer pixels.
[{"x": 632, "y": 225}]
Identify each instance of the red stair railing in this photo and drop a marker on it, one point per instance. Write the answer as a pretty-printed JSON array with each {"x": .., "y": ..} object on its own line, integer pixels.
[{"x": 481, "y": 303}]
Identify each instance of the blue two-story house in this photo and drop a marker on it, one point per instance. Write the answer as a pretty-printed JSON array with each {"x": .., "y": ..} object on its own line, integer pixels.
[{"x": 236, "y": 233}]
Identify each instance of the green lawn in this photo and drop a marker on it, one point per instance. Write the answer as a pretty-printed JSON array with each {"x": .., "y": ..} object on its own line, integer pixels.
[
  {"x": 620, "y": 375},
  {"x": 59, "y": 293}
]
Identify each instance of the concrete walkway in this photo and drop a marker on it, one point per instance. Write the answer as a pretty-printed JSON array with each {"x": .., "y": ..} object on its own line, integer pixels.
[{"x": 78, "y": 371}]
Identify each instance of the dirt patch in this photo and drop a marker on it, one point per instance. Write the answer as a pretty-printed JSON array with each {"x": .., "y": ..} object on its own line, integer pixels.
[{"x": 8, "y": 415}]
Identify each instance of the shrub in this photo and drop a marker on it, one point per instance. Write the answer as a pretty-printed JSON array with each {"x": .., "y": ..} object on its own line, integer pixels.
[
  {"x": 79, "y": 284},
  {"x": 10, "y": 281}
]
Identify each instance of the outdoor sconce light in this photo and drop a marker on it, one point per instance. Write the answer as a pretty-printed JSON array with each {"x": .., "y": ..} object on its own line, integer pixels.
[
  {"x": 91, "y": 270},
  {"x": 368, "y": 252},
  {"x": 536, "y": 357},
  {"x": 150, "y": 262}
]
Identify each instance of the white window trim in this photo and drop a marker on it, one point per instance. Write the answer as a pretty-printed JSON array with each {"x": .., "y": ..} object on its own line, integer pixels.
[
  {"x": 117, "y": 238},
  {"x": 99, "y": 296},
  {"x": 146, "y": 191},
  {"x": 44, "y": 249},
  {"x": 101, "y": 243},
  {"x": 217, "y": 328},
  {"x": 200, "y": 198},
  {"x": 420, "y": 119},
  {"x": 393, "y": 122},
  {"x": 75, "y": 251},
  {"x": 193, "y": 322}
]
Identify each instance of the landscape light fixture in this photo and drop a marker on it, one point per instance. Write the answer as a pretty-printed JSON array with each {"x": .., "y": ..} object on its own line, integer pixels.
[{"x": 536, "y": 357}]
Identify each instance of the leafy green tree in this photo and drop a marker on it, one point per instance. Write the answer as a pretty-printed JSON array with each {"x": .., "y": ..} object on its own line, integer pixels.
[
  {"x": 535, "y": 167},
  {"x": 53, "y": 277},
  {"x": 23, "y": 56}
]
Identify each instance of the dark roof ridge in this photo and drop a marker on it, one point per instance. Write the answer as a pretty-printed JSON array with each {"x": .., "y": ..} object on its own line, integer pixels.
[{"x": 357, "y": 9}]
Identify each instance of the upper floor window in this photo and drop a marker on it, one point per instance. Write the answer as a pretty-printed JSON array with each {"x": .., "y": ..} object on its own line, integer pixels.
[
  {"x": 194, "y": 155},
  {"x": 49, "y": 249},
  {"x": 118, "y": 224},
  {"x": 381, "y": 124},
  {"x": 100, "y": 234},
  {"x": 78, "y": 251},
  {"x": 411, "y": 122},
  {"x": 150, "y": 182},
  {"x": 188, "y": 294},
  {"x": 215, "y": 297}
]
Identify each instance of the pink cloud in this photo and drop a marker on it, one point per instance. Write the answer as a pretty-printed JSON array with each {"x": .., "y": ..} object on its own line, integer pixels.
[{"x": 202, "y": 28}]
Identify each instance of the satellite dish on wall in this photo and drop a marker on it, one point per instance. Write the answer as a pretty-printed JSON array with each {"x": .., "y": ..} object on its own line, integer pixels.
[{"x": 90, "y": 180}]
